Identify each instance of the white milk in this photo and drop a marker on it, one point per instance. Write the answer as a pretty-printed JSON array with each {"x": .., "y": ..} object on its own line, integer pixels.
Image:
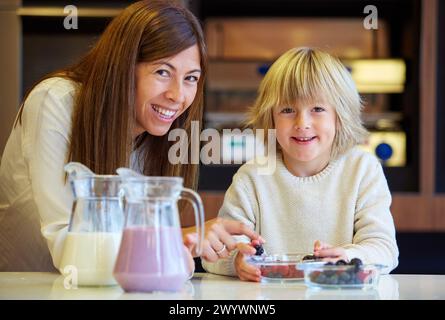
[{"x": 94, "y": 255}]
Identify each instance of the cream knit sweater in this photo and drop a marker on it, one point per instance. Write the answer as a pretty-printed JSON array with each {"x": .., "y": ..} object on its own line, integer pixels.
[{"x": 347, "y": 204}]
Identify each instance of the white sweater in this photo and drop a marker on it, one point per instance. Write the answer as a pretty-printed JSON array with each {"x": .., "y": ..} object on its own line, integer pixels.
[
  {"x": 35, "y": 201},
  {"x": 347, "y": 204}
]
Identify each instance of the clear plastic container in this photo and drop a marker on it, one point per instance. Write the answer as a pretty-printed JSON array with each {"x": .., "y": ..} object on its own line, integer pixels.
[
  {"x": 278, "y": 267},
  {"x": 322, "y": 275}
]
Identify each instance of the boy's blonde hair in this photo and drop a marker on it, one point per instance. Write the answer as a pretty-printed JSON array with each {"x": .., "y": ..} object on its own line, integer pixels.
[{"x": 306, "y": 75}]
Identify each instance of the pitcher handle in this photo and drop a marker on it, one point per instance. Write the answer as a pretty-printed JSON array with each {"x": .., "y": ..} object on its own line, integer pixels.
[{"x": 195, "y": 200}]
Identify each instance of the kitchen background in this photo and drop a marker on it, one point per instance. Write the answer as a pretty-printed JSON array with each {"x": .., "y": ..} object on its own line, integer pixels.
[{"x": 399, "y": 68}]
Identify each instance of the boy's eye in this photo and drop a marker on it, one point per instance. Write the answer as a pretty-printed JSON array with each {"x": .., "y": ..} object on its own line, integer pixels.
[
  {"x": 318, "y": 109},
  {"x": 287, "y": 110},
  {"x": 163, "y": 72}
]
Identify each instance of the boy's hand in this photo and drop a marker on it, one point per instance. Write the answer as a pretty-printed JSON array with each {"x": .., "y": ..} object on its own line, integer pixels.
[
  {"x": 245, "y": 271},
  {"x": 329, "y": 253}
]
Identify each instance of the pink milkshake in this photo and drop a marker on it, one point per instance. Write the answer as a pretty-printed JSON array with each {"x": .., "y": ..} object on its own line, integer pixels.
[{"x": 151, "y": 259}]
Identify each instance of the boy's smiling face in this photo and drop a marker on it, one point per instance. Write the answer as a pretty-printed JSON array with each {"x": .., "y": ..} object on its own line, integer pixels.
[{"x": 305, "y": 132}]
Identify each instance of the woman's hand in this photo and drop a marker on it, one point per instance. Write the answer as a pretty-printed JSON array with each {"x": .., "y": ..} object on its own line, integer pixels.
[
  {"x": 328, "y": 252},
  {"x": 245, "y": 271},
  {"x": 218, "y": 240},
  {"x": 189, "y": 260}
]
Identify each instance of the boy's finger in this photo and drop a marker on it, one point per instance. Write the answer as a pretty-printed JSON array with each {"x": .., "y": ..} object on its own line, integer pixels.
[
  {"x": 333, "y": 260},
  {"x": 246, "y": 249},
  {"x": 250, "y": 269},
  {"x": 249, "y": 277},
  {"x": 247, "y": 272},
  {"x": 331, "y": 252},
  {"x": 319, "y": 245}
]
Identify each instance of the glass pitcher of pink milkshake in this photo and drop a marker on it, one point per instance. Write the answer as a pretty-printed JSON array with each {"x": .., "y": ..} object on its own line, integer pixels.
[
  {"x": 152, "y": 254},
  {"x": 95, "y": 229}
]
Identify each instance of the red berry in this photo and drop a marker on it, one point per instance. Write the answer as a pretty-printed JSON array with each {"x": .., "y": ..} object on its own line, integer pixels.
[
  {"x": 283, "y": 270},
  {"x": 363, "y": 275}
]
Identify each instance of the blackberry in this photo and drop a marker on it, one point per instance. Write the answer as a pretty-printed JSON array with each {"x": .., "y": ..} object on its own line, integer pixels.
[
  {"x": 357, "y": 263},
  {"x": 345, "y": 276},
  {"x": 259, "y": 250},
  {"x": 341, "y": 263},
  {"x": 321, "y": 279},
  {"x": 329, "y": 273},
  {"x": 309, "y": 257},
  {"x": 333, "y": 279}
]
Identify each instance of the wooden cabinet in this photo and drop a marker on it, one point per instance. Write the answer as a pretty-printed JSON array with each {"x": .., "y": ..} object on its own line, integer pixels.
[{"x": 268, "y": 38}]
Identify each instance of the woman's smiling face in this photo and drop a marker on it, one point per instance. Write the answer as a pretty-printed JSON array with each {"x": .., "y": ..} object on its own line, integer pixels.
[{"x": 164, "y": 90}]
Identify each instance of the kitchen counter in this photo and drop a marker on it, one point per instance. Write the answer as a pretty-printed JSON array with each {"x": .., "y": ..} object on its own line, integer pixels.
[{"x": 35, "y": 285}]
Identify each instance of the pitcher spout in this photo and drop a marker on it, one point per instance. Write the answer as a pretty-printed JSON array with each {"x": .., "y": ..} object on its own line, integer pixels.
[{"x": 77, "y": 169}]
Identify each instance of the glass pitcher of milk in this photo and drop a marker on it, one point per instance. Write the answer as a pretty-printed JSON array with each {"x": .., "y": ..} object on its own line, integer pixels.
[
  {"x": 95, "y": 228},
  {"x": 152, "y": 255}
]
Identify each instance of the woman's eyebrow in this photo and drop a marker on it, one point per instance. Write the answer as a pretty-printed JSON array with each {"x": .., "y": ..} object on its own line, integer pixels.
[
  {"x": 173, "y": 68},
  {"x": 195, "y": 70}
]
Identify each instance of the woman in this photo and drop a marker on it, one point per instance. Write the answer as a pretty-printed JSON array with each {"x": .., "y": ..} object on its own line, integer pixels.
[{"x": 112, "y": 109}]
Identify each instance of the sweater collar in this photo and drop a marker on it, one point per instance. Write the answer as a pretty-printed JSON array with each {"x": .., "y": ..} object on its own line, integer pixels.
[{"x": 311, "y": 179}]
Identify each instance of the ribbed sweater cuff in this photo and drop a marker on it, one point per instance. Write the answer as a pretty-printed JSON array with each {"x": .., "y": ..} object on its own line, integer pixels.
[{"x": 222, "y": 266}]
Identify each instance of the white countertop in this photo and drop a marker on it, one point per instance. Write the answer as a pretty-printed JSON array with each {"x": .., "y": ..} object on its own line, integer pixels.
[{"x": 35, "y": 285}]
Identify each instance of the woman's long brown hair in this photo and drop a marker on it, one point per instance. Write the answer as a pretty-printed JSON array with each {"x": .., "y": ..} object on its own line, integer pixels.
[{"x": 104, "y": 113}]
